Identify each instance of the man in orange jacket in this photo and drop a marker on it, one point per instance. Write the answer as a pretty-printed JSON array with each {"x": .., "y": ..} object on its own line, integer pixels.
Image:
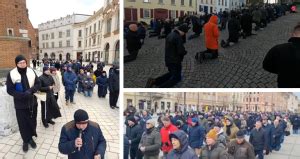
[
  {"x": 211, "y": 38},
  {"x": 164, "y": 133}
]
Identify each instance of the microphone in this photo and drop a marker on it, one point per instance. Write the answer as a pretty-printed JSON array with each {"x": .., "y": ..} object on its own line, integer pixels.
[{"x": 80, "y": 134}]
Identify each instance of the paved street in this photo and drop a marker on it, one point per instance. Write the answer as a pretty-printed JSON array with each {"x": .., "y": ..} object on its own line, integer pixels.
[
  {"x": 237, "y": 66},
  {"x": 47, "y": 140}
]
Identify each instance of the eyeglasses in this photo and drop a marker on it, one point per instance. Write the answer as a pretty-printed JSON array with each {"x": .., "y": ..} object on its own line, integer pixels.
[{"x": 147, "y": 123}]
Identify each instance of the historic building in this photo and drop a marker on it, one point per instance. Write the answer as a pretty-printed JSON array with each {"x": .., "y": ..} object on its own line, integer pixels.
[
  {"x": 17, "y": 35},
  {"x": 206, "y": 101},
  {"x": 87, "y": 37},
  {"x": 145, "y": 10}
]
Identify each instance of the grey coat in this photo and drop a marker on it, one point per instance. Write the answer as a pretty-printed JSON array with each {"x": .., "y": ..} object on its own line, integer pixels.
[{"x": 151, "y": 140}]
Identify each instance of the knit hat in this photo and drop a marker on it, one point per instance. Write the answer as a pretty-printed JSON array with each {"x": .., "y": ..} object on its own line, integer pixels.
[
  {"x": 195, "y": 120},
  {"x": 52, "y": 69},
  {"x": 46, "y": 68},
  {"x": 80, "y": 116},
  {"x": 240, "y": 134},
  {"x": 151, "y": 121},
  {"x": 20, "y": 58},
  {"x": 131, "y": 118},
  {"x": 184, "y": 28},
  {"x": 212, "y": 134}
]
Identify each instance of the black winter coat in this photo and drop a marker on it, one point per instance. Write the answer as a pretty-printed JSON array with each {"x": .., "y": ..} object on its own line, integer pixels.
[
  {"x": 134, "y": 134},
  {"x": 233, "y": 29},
  {"x": 174, "y": 49},
  {"x": 284, "y": 60},
  {"x": 133, "y": 41},
  {"x": 259, "y": 139}
]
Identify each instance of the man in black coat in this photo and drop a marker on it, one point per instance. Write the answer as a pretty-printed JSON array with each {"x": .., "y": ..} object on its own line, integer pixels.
[
  {"x": 114, "y": 85},
  {"x": 246, "y": 23},
  {"x": 284, "y": 60},
  {"x": 134, "y": 133},
  {"x": 21, "y": 83},
  {"x": 133, "y": 43},
  {"x": 296, "y": 124},
  {"x": 50, "y": 107},
  {"x": 174, "y": 54},
  {"x": 233, "y": 29},
  {"x": 259, "y": 140}
]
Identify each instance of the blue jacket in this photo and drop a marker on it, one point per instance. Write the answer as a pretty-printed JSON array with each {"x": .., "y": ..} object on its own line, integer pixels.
[
  {"x": 269, "y": 130},
  {"x": 93, "y": 141},
  {"x": 70, "y": 80},
  {"x": 196, "y": 136}
]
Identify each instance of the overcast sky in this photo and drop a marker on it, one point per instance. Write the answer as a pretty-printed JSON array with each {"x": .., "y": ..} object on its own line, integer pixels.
[{"x": 41, "y": 11}]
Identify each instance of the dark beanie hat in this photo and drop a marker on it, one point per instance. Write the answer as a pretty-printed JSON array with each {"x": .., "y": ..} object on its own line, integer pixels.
[
  {"x": 240, "y": 134},
  {"x": 80, "y": 115},
  {"x": 19, "y": 58},
  {"x": 45, "y": 68},
  {"x": 131, "y": 118},
  {"x": 184, "y": 28}
]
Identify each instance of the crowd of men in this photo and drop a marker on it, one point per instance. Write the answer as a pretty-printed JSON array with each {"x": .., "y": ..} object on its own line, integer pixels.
[
  {"x": 206, "y": 135},
  {"x": 83, "y": 78},
  {"x": 80, "y": 138},
  {"x": 240, "y": 23}
]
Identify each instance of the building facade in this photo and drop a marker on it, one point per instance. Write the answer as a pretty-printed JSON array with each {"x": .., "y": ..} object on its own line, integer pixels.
[
  {"x": 206, "y": 101},
  {"x": 56, "y": 37},
  {"x": 145, "y": 10},
  {"x": 17, "y": 35},
  {"x": 83, "y": 37}
]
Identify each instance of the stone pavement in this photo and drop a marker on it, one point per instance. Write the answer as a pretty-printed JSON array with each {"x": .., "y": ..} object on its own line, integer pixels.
[
  {"x": 47, "y": 140},
  {"x": 239, "y": 66}
]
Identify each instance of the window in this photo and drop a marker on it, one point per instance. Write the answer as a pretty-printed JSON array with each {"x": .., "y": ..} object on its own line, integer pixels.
[
  {"x": 10, "y": 32},
  {"x": 173, "y": 14},
  {"x": 146, "y": 1},
  {"x": 94, "y": 41},
  {"x": 79, "y": 33},
  {"x": 60, "y": 44},
  {"x": 219, "y": 2},
  {"x": 89, "y": 41},
  {"x": 85, "y": 43},
  {"x": 52, "y": 44},
  {"x": 108, "y": 26},
  {"x": 98, "y": 39},
  {"x": 95, "y": 25},
  {"x": 211, "y": 2},
  {"x": 225, "y": 2},
  {"x": 99, "y": 25},
  {"x": 52, "y": 35},
  {"x": 162, "y": 105},
  {"x": 257, "y": 99},
  {"x": 161, "y": 1},
  {"x": 47, "y": 36},
  {"x": 86, "y": 31},
  {"x": 43, "y": 37},
  {"x": 146, "y": 13},
  {"x": 172, "y": 2},
  {"x": 191, "y": 3},
  {"x": 182, "y": 2},
  {"x": 68, "y": 43},
  {"x": 43, "y": 45},
  {"x": 47, "y": 45},
  {"x": 68, "y": 33},
  {"x": 79, "y": 43},
  {"x": 90, "y": 29},
  {"x": 60, "y": 34}
]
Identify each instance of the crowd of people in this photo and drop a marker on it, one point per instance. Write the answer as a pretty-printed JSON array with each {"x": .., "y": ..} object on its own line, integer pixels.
[
  {"x": 211, "y": 134},
  {"x": 83, "y": 78},
  {"x": 240, "y": 23},
  {"x": 80, "y": 138}
]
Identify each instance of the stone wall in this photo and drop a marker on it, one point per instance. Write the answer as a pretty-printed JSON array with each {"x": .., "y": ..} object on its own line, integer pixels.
[{"x": 8, "y": 121}]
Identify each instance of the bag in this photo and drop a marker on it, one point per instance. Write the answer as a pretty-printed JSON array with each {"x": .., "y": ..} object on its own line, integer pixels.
[{"x": 287, "y": 133}]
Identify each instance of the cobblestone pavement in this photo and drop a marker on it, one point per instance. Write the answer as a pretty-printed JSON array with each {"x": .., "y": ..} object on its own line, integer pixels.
[
  {"x": 239, "y": 66},
  {"x": 47, "y": 140}
]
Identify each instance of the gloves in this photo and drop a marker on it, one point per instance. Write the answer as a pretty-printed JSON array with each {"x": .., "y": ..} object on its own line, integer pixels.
[{"x": 267, "y": 152}]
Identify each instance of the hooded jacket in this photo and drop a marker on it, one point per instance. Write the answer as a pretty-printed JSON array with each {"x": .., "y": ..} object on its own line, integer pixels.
[
  {"x": 184, "y": 152},
  {"x": 196, "y": 136},
  {"x": 283, "y": 60},
  {"x": 212, "y": 33}
]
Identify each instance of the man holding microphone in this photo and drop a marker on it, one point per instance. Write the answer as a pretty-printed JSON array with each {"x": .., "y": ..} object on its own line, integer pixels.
[{"x": 82, "y": 138}]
